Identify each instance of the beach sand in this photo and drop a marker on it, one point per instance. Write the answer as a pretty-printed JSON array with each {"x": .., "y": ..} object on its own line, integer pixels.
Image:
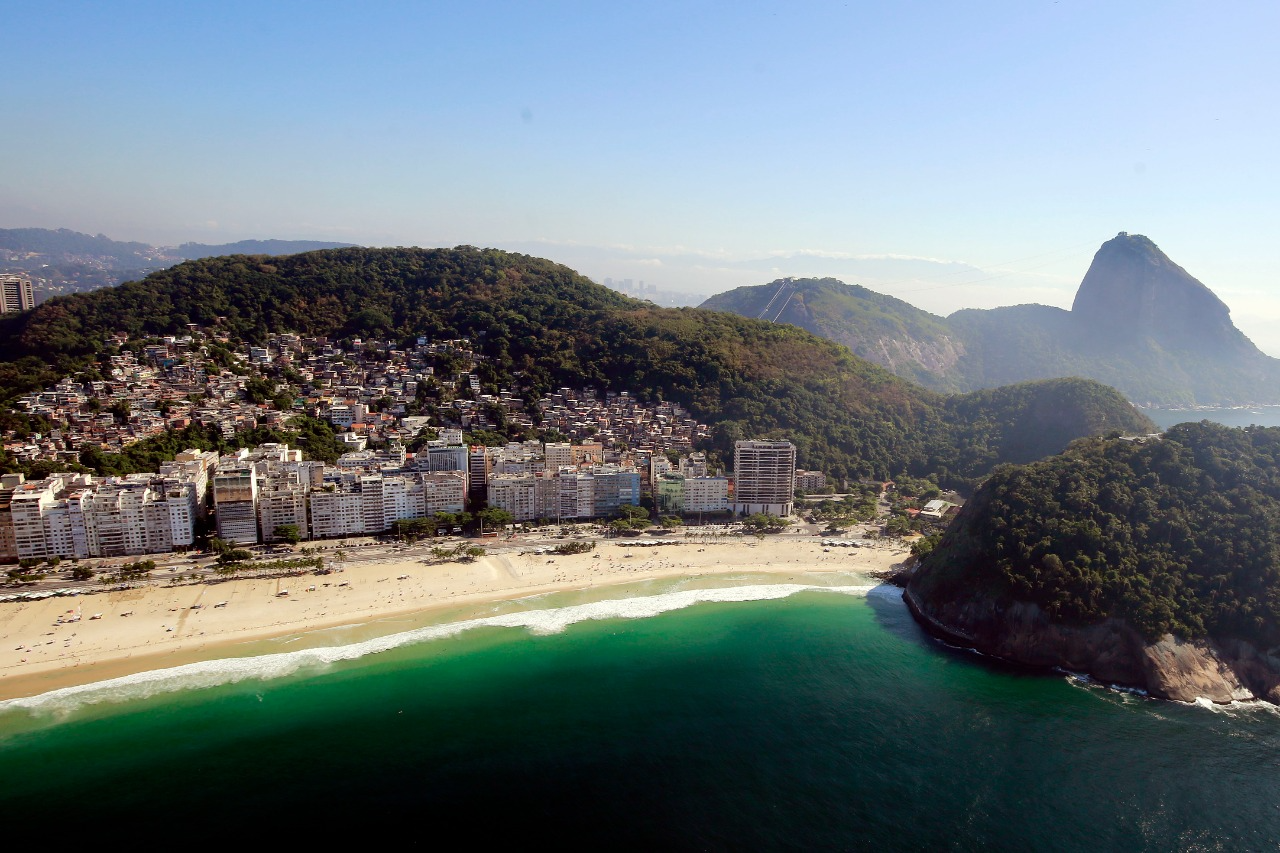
[{"x": 157, "y": 626}]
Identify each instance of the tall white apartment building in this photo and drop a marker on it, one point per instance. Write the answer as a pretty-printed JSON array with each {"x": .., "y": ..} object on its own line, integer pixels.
[
  {"x": 764, "y": 477},
  {"x": 706, "y": 494},
  {"x": 16, "y": 293},
  {"x": 282, "y": 500},
  {"x": 557, "y": 455},
  {"x": 194, "y": 466},
  {"x": 71, "y": 516},
  {"x": 676, "y": 493},
  {"x": 354, "y": 505},
  {"x": 444, "y": 458},
  {"x": 516, "y": 493},
  {"x": 8, "y": 547}
]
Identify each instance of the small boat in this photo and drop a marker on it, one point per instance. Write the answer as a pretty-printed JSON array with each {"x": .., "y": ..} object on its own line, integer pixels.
[
  {"x": 282, "y": 593},
  {"x": 95, "y": 616},
  {"x": 220, "y": 604}
]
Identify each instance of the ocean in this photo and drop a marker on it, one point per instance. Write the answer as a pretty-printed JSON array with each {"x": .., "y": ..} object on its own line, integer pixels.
[
  {"x": 775, "y": 718},
  {"x": 1239, "y": 416}
]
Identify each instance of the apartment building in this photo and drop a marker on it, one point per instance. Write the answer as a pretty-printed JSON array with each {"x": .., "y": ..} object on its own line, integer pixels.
[
  {"x": 681, "y": 495},
  {"x": 764, "y": 477},
  {"x": 16, "y": 293},
  {"x": 235, "y": 500},
  {"x": 71, "y": 516}
]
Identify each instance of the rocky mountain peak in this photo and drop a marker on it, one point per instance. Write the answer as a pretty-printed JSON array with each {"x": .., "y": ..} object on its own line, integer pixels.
[{"x": 1133, "y": 289}]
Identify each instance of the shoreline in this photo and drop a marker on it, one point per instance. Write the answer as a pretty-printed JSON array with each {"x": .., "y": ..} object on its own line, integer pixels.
[{"x": 125, "y": 632}]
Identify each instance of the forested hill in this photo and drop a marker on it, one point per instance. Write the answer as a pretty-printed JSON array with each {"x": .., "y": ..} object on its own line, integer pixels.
[
  {"x": 541, "y": 325},
  {"x": 912, "y": 343},
  {"x": 1139, "y": 322},
  {"x": 1180, "y": 535}
]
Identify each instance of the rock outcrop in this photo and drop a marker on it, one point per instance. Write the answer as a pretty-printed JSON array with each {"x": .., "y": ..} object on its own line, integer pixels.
[
  {"x": 1133, "y": 290},
  {"x": 1111, "y": 651}
]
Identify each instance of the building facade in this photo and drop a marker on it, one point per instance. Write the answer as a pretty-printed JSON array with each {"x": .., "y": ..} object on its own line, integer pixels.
[
  {"x": 764, "y": 477},
  {"x": 16, "y": 293}
]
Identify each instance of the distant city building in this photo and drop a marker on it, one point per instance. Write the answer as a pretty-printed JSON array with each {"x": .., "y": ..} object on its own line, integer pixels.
[
  {"x": 16, "y": 293},
  {"x": 764, "y": 477}
]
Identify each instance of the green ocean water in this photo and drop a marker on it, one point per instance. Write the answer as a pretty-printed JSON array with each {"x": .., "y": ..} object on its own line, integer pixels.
[{"x": 818, "y": 721}]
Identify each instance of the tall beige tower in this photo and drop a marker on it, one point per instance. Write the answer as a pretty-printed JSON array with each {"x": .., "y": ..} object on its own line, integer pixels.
[
  {"x": 764, "y": 477},
  {"x": 16, "y": 293}
]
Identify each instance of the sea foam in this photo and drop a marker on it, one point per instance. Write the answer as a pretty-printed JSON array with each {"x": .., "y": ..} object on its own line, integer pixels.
[{"x": 223, "y": 671}]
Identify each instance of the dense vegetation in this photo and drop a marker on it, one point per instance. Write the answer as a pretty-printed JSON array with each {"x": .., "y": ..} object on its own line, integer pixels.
[
  {"x": 1180, "y": 535},
  {"x": 541, "y": 325},
  {"x": 1140, "y": 323},
  {"x": 912, "y": 343}
]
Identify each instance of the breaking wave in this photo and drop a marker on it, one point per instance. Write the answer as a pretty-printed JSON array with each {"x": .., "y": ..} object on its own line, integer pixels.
[{"x": 223, "y": 671}]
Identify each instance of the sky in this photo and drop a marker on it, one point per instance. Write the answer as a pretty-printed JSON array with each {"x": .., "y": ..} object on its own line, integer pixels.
[{"x": 953, "y": 155}]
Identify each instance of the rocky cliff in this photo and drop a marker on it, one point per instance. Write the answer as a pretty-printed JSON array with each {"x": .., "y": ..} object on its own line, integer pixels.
[
  {"x": 1145, "y": 561},
  {"x": 1111, "y": 652},
  {"x": 1133, "y": 290}
]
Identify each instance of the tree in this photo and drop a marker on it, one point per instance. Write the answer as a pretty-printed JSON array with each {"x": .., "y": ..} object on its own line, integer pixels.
[
  {"x": 762, "y": 523},
  {"x": 219, "y": 546},
  {"x": 287, "y": 533},
  {"x": 494, "y": 517},
  {"x": 82, "y": 573}
]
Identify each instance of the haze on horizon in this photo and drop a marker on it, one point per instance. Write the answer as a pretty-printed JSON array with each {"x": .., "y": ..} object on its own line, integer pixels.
[{"x": 951, "y": 156}]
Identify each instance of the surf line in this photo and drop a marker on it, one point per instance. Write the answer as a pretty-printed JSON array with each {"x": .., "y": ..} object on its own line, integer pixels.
[{"x": 221, "y": 671}]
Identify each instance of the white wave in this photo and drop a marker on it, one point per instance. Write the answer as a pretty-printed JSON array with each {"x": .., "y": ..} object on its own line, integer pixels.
[
  {"x": 265, "y": 667},
  {"x": 1234, "y": 708}
]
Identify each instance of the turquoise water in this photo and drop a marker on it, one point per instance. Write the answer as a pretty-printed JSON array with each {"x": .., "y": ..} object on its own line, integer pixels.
[{"x": 822, "y": 720}]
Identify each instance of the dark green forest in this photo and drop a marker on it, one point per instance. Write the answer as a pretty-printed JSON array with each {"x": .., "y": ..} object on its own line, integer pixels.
[
  {"x": 541, "y": 325},
  {"x": 1180, "y": 535}
]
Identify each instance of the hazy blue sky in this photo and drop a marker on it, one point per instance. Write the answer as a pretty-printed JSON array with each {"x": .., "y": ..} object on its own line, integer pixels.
[{"x": 695, "y": 146}]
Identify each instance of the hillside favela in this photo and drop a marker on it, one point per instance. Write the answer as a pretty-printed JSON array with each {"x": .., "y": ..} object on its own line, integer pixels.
[{"x": 607, "y": 429}]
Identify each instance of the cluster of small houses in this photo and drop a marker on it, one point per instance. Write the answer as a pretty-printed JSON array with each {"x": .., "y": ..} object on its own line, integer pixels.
[{"x": 369, "y": 391}]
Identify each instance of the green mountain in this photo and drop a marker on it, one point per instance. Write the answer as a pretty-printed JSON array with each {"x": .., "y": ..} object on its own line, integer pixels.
[
  {"x": 1139, "y": 323},
  {"x": 543, "y": 325},
  {"x": 914, "y": 344},
  {"x": 1112, "y": 556}
]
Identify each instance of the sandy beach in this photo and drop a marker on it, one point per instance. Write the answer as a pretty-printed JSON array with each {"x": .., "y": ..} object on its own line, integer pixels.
[{"x": 151, "y": 627}]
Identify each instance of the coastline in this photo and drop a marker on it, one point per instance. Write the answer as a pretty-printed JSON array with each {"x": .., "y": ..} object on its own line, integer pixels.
[{"x": 155, "y": 627}]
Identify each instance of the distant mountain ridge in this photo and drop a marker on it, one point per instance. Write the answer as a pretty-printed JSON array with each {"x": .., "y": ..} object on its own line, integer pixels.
[
  {"x": 541, "y": 326},
  {"x": 65, "y": 261},
  {"x": 194, "y": 251},
  {"x": 1139, "y": 322}
]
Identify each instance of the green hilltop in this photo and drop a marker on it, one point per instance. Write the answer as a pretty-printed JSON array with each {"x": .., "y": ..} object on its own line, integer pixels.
[{"x": 541, "y": 325}]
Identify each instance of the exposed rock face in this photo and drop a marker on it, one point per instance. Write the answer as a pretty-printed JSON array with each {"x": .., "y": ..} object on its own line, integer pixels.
[
  {"x": 912, "y": 343},
  {"x": 1140, "y": 323},
  {"x": 902, "y": 356},
  {"x": 1110, "y": 651},
  {"x": 1132, "y": 290}
]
